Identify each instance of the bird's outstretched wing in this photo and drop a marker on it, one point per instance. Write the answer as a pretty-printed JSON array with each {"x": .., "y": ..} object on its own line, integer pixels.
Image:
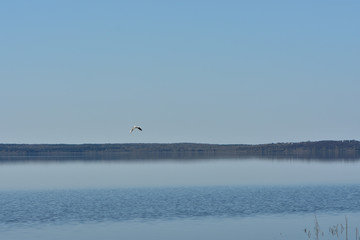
[{"x": 135, "y": 127}]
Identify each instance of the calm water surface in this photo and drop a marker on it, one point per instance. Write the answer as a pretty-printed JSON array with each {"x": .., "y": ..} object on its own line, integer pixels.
[{"x": 214, "y": 199}]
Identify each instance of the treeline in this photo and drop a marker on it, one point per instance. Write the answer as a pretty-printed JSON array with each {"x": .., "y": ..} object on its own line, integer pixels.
[{"x": 326, "y": 150}]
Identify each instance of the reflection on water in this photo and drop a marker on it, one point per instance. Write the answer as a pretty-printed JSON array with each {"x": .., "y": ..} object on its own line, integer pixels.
[
  {"x": 265, "y": 227},
  {"x": 177, "y": 213},
  {"x": 149, "y": 204},
  {"x": 203, "y": 199},
  {"x": 114, "y": 174}
]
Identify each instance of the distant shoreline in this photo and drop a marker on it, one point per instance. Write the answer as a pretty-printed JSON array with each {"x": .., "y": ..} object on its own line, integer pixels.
[{"x": 322, "y": 150}]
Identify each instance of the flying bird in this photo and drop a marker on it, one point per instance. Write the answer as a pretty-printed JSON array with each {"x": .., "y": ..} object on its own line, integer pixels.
[{"x": 135, "y": 127}]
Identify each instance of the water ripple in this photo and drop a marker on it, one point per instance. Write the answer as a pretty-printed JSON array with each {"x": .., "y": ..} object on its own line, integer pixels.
[{"x": 60, "y": 206}]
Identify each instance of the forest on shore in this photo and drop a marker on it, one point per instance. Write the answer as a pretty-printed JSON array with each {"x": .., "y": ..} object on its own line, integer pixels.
[{"x": 322, "y": 150}]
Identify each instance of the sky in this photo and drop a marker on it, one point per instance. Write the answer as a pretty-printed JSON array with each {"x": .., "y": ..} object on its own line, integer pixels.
[{"x": 239, "y": 72}]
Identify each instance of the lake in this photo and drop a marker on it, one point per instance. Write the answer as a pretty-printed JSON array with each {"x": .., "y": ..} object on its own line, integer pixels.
[{"x": 184, "y": 199}]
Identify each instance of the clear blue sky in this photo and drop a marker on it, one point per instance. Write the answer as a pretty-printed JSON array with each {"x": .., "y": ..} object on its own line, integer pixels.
[{"x": 186, "y": 71}]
